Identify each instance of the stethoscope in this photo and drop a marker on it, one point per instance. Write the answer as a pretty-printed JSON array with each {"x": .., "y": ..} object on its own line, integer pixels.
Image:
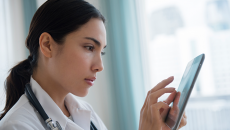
[{"x": 34, "y": 101}]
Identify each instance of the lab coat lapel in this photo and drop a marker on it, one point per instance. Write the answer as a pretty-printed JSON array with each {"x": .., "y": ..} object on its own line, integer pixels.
[
  {"x": 72, "y": 126},
  {"x": 80, "y": 115}
]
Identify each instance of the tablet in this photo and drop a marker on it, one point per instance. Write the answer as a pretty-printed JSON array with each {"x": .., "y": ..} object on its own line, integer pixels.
[{"x": 185, "y": 88}]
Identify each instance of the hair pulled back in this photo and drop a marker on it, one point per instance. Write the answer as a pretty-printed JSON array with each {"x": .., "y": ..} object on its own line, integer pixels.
[{"x": 58, "y": 18}]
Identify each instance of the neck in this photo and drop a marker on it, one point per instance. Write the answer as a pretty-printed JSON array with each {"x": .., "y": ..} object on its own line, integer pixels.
[{"x": 52, "y": 88}]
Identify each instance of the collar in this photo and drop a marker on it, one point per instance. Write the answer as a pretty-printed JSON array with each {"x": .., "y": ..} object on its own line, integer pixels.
[{"x": 80, "y": 114}]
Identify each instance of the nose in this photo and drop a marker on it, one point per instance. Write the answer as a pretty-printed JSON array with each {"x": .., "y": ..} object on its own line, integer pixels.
[{"x": 98, "y": 64}]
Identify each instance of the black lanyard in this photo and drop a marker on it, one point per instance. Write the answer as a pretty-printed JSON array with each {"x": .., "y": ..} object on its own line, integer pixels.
[{"x": 92, "y": 126}]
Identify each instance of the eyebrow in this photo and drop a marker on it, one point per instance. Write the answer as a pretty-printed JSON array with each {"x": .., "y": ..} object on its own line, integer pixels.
[{"x": 95, "y": 41}]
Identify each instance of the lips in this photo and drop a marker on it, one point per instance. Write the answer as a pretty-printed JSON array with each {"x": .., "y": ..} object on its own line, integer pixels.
[{"x": 90, "y": 81}]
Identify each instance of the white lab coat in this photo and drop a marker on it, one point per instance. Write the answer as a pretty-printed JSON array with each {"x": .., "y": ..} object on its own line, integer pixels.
[{"x": 23, "y": 116}]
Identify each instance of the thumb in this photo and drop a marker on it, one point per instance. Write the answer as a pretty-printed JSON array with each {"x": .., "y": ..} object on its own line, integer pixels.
[{"x": 155, "y": 111}]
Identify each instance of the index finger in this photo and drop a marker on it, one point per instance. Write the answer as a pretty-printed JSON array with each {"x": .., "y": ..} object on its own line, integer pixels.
[
  {"x": 162, "y": 84},
  {"x": 153, "y": 97}
]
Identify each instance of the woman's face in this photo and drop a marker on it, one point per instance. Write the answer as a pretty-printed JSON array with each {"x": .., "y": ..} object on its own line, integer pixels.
[{"x": 75, "y": 65}]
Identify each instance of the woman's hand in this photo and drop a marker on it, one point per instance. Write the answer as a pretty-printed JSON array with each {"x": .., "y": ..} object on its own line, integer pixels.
[{"x": 153, "y": 113}]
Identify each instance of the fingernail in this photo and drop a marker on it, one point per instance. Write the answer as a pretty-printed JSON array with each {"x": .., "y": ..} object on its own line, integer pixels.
[
  {"x": 173, "y": 89},
  {"x": 171, "y": 78}
]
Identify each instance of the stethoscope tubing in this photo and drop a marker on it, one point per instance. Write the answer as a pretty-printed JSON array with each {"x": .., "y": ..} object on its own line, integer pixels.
[{"x": 35, "y": 102}]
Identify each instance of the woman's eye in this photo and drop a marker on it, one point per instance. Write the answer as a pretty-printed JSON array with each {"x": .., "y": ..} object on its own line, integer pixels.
[{"x": 91, "y": 48}]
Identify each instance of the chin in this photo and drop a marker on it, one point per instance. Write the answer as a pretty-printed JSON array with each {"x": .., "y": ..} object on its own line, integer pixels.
[{"x": 81, "y": 94}]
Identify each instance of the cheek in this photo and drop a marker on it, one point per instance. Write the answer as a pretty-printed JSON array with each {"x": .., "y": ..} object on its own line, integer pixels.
[
  {"x": 75, "y": 64},
  {"x": 72, "y": 67}
]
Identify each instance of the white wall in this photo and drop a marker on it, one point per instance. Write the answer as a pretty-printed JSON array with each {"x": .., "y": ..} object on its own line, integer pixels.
[{"x": 99, "y": 95}]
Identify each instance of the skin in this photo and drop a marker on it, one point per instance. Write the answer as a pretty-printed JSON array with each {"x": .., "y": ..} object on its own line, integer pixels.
[
  {"x": 153, "y": 113},
  {"x": 62, "y": 69}
]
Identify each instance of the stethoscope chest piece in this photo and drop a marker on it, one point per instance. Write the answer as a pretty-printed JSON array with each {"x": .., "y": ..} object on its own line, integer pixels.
[{"x": 51, "y": 125}]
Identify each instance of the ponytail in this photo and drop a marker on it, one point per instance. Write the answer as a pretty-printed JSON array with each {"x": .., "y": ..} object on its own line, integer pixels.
[{"x": 15, "y": 84}]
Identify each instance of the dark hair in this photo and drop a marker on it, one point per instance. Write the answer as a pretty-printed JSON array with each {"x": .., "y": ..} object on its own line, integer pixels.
[{"x": 58, "y": 18}]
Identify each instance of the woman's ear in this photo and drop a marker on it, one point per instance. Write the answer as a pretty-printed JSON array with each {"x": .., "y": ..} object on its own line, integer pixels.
[{"x": 46, "y": 44}]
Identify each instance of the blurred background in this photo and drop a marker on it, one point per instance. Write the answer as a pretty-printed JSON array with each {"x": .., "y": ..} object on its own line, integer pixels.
[{"x": 148, "y": 41}]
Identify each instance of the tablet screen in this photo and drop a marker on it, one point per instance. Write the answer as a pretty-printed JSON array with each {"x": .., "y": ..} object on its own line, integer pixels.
[
  {"x": 186, "y": 83},
  {"x": 185, "y": 89}
]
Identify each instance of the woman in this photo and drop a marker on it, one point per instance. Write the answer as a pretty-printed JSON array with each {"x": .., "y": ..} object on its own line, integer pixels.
[{"x": 66, "y": 41}]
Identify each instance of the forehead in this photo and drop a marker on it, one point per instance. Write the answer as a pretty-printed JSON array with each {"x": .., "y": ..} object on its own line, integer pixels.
[{"x": 94, "y": 28}]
